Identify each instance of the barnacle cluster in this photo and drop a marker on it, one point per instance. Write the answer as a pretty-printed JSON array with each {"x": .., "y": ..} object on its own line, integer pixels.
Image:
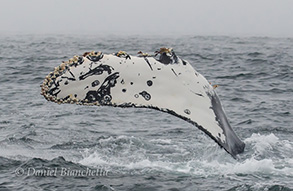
[
  {"x": 47, "y": 85},
  {"x": 93, "y": 56},
  {"x": 164, "y": 50},
  {"x": 122, "y": 54}
]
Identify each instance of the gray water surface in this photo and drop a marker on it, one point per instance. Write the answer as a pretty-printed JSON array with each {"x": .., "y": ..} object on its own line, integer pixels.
[{"x": 143, "y": 149}]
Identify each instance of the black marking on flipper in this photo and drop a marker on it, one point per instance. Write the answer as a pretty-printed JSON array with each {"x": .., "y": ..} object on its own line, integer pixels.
[
  {"x": 95, "y": 58},
  {"x": 145, "y": 95},
  {"x": 174, "y": 72},
  {"x": 57, "y": 82},
  {"x": 123, "y": 90},
  {"x": 54, "y": 89},
  {"x": 103, "y": 94},
  {"x": 92, "y": 96},
  {"x": 97, "y": 71},
  {"x": 184, "y": 62},
  {"x": 68, "y": 78},
  {"x": 187, "y": 111},
  {"x": 197, "y": 93},
  {"x": 91, "y": 65},
  {"x": 147, "y": 61},
  {"x": 107, "y": 99},
  {"x": 174, "y": 57},
  {"x": 66, "y": 97},
  {"x": 71, "y": 73},
  {"x": 168, "y": 57},
  {"x": 122, "y": 54},
  {"x": 79, "y": 61},
  {"x": 165, "y": 59},
  {"x": 149, "y": 83},
  {"x": 95, "y": 83}
]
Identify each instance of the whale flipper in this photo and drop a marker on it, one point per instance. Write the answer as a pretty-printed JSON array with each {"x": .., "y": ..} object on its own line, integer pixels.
[{"x": 163, "y": 82}]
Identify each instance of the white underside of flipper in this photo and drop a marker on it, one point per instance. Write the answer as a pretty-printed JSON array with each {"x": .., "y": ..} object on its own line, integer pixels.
[{"x": 130, "y": 81}]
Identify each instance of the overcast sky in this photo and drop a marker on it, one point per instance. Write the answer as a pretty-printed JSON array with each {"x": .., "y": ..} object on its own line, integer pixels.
[{"x": 151, "y": 17}]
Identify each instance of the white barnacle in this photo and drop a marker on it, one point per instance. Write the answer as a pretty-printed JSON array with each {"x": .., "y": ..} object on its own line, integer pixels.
[
  {"x": 62, "y": 66},
  {"x": 75, "y": 58},
  {"x": 50, "y": 98},
  {"x": 70, "y": 61},
  {"x": 65, "y": 62},
  {"x": 142, "y": 54},
  {"x": 56, "y": 73},
  {"x": 165, "y": 50},
  {"x": 121, "y": 53},
  {"x": 92, "y": 53}
]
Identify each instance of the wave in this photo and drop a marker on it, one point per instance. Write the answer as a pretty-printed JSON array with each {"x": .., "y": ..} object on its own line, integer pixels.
[{"x": 262, "y": 159}]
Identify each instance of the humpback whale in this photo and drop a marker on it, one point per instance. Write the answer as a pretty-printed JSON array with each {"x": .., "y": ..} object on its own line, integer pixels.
[{"x": 162, "y": 81}]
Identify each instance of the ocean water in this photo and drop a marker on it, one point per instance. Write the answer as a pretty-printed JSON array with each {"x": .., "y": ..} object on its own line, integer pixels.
[{"x": 46, "y": 146}]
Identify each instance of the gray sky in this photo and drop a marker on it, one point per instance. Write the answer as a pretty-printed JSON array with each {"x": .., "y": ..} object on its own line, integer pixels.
[{"x": 149, "y": 17}]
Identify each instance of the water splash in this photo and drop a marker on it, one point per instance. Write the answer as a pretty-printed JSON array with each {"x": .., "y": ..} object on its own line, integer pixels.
[{"x": 140, "y": 158}]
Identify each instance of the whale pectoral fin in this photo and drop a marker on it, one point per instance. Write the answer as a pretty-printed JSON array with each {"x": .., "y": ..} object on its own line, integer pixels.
[{"x": 163, "y": 82}]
